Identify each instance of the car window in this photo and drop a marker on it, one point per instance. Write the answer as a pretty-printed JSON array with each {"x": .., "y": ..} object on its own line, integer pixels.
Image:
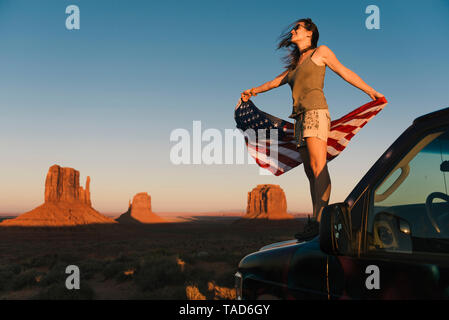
[{"x": 410, "y": 207}]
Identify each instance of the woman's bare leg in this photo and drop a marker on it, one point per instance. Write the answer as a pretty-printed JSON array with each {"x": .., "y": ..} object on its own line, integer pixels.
[
  {"x": 317, "y": 150},
  {"x": 309, "y": 173}
]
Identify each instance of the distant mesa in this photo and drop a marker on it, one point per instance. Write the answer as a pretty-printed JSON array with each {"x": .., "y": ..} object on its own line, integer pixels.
[
  {"x": 139, "y": 211},
  {"x": 267, "y": 202},
  {"x": 63, "y": 185},
  {"x": 66, "y": 203}
]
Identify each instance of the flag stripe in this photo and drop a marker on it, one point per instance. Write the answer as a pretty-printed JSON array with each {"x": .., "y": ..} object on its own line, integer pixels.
[{"x": 289, "y": 159}]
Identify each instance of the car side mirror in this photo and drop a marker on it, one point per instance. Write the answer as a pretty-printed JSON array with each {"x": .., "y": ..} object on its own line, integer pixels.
[
  {"x": 336, "y": 230},
  {"x": 391, "y": 233}
]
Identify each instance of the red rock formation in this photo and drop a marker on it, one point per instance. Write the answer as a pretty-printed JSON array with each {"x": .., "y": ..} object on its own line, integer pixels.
[
  {"x": 62, "y": 184},
  {"x": 139, "y": 211},
  {"x": 84, "y": 195},
  {"x": 267, "y": 201},
  {"x": 66, "y": 203}
]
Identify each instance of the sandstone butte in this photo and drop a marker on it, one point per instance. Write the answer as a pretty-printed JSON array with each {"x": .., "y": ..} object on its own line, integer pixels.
[
  {"x": 268, "y": 202},
  {"x": 139, "y": 211},
  {"x": 66, "y": 203}
]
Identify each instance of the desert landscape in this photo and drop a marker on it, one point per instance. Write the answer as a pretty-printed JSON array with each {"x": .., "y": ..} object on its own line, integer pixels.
[{"x": 138, "y": 254}]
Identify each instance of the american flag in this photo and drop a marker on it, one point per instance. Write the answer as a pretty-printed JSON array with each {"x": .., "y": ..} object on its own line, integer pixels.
[{"x": 264, "y": 148}]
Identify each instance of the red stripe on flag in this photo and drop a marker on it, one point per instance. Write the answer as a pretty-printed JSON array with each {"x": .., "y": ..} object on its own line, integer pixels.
[{"x": 281, "y": 156}]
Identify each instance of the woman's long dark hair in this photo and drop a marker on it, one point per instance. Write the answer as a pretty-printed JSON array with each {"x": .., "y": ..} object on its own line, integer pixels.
[{"x": 291, "y": 59}]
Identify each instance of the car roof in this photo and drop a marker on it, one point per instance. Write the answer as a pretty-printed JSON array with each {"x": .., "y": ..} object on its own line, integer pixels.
[{"x": 432, "y": 115}]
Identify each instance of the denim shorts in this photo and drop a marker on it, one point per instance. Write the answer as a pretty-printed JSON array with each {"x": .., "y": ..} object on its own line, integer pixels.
[{"x": 312, "y": 123}]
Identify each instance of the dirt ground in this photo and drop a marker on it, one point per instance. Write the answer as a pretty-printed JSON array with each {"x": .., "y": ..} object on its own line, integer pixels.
[{"x": 157, "y": 261}]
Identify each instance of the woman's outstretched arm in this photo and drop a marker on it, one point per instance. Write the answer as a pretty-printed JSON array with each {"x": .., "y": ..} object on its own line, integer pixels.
[
  {"x": 328, "y": 58},
  {"x": 276, "y": 82}
]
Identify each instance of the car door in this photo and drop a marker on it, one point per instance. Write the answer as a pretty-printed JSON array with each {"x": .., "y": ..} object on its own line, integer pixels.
[{"x": 405, "y": 235}]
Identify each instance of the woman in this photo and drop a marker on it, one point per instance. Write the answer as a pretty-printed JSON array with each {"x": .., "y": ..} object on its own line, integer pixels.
[{"x": 306, "y": 65}]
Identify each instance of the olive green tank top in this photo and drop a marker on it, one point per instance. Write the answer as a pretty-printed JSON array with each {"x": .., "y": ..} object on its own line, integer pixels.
[{"x": 306, "y": 82}]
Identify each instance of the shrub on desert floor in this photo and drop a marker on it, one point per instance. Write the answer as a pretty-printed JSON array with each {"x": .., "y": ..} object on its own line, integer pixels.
[
  {"x": 193, "y": 293},
  {"x": 60, "y": 292},
  {"x": 25, "y": 279},
  {"x": 122, "y": 268},
  {"x": 91, "y": 267},
  {"x": 158, "y": 272},
  {"x": 46, "y": 260},
  {"x": 55, "y": 275},
  {"x": 115, "y": 270},
  {"x": 212, "y": 291},
  {"x": 220, "y": 254},
  {"x": 164, "y": 293},
  {"x": 226, "y": 279},
  {"x": 221, "y": 293},
  {"x": 7, "y": 273}
]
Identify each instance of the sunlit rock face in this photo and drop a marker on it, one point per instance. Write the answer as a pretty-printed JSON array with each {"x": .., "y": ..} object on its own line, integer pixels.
[
  {"x": 139, "y": 211},
  {"x": 267, "y": 201}
]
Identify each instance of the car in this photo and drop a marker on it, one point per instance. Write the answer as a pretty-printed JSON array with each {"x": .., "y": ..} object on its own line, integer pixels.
[{"x": 389, "y": 239}]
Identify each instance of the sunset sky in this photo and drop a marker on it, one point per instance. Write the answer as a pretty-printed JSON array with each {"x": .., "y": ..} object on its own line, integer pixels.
[{"x": 104, "y": 99}]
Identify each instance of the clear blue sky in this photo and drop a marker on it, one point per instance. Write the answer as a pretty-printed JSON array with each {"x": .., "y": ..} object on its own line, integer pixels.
[{"x": 104, "y": 99}]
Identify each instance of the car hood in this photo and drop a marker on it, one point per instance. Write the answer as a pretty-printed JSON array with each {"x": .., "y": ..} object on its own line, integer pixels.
[
  {"x": 271, "y": 262},
  {"x": 279, "y": 244}
]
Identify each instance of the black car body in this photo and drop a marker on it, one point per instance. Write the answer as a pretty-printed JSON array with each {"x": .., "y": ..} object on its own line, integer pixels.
[{"x": 388, "y": 240}]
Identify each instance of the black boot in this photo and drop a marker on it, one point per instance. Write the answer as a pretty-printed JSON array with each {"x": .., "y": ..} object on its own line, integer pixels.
[{"x": 310, "y": 231}]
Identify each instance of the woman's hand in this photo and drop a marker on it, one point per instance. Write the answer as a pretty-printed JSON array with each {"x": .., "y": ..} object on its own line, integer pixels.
[
  {"x": 248, "y": 94},
  {"x": 375, "y": 95}
]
